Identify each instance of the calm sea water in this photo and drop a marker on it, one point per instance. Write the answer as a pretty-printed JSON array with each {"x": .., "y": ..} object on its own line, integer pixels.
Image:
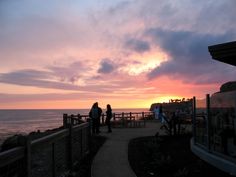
[{"x": 25, "y": 121}]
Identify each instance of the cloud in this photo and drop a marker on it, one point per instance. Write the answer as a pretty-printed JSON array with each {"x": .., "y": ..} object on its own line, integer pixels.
[
  {"x": 189, "y": 59},
  {"x": 49, "y": 79},
  {"x": 35, "y": 78},
  {"x": 72, "y": 73},
  {"x": 137, "y": 45},
  {"x": 106, "y": 66}
]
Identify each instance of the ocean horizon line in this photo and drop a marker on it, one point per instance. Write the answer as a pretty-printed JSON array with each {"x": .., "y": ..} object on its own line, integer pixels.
[{"x": 62, "y": 108}]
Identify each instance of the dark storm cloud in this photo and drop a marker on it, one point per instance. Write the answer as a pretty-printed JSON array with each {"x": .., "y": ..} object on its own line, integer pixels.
[
  {"x": 136, "y": 45},
  {"x": 189, "y": 57},
  {"x": 106, "y": 66}
]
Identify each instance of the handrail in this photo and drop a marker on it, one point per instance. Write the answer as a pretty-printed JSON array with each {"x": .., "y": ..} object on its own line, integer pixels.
[
  {"x": 52, "y": 137},
  {"x": 9, "y": 156}
]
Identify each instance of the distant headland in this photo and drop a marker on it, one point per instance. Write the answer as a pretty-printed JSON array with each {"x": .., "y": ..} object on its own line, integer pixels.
[{"x": 183, "y": 105}]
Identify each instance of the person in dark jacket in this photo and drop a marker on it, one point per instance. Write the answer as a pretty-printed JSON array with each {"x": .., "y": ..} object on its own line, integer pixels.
[
  {"x": 108, "y": 118},
  {"x": 93, "y": 114}
]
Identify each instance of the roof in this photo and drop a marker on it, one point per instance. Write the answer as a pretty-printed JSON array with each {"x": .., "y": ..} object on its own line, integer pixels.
[{"x": 225, "y": 52}]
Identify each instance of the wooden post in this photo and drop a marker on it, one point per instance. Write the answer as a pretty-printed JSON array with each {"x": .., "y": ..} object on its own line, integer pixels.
[
  {"x": 131, "y": 121},
  {"x": 72, "y": 119},
  {"x": 69, "y": 147},
  {"x": 89, "y": 120},
  {"x": 194, "y": 119},
  {"x": 123, "y": 119},
  {"x": 89, "y": 129},
  {"x": 208, "y": 122},
  {"x": 79, "y": 118},
  {"x": 25, "y": 141},
  {"x": 53, "y": 161},
  {"x": 65, "y": 117},
  {"x": 81, "y": 143}
]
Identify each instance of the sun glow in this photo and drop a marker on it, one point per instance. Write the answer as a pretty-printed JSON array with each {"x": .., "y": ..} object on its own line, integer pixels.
[{"x": 146, "y": 62}]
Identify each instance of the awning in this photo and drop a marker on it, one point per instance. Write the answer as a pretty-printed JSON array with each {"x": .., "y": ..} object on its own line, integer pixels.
[{"x": 225, "y": 52}]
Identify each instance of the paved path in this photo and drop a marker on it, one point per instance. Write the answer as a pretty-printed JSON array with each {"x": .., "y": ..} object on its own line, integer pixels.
[{"x": 112, "y": 158}]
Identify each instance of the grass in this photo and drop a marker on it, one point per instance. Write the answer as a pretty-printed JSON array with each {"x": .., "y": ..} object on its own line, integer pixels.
[{"x": 167, "y": 156}]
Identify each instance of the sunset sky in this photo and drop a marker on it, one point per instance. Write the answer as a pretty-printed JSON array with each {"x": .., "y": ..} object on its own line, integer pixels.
[{"x": 129, "y": 53}]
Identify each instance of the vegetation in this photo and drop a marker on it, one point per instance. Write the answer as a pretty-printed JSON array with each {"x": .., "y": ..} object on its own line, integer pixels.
[{"x": 168, "y": 156}]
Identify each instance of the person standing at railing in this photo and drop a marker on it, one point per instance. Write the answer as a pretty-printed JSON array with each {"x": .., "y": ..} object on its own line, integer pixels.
[
  {"x": 94, "y": 115},
  {"x": 108, "y": 118}
]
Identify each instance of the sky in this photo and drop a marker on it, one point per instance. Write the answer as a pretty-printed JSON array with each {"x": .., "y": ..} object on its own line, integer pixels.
[{"x": 127, "y": 53}]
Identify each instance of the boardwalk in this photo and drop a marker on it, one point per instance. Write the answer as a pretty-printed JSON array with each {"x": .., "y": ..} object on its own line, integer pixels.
[{"x": 112, "y": 158}]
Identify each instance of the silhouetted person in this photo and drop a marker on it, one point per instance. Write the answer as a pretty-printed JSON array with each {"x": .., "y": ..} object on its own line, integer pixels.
[
  {"x": 94, "y": 115},
  {"x": 156, "y": 112},
  {"x": 161, "y": 115},
  {"x": 108, "y": 117}
]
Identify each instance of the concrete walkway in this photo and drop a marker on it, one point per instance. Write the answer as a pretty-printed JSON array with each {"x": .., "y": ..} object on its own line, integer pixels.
[{"x": 112, "y": 158}]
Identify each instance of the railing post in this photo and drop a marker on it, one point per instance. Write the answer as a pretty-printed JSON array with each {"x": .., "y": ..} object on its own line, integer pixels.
[
  {"x": 65, "y": 116},
  {"x": 114, "y": 116},
  {"x": 53, "y": 161},
  {"x": 69, "y": 148},
  {"x": 72, "y": 119},
  {"x": 123, "y": 119},
  {"x": 81, "y": 143},
  {"x": 194, "y": 119},
  {"x": 89, "y": 129},
  {"x": 208, "y": 122},
  {"x": 25, "y": 141},
  {"x": 130, "y": 118},
  {"x": 79, "y": 118},
  {"x": 89, "y": 120}
]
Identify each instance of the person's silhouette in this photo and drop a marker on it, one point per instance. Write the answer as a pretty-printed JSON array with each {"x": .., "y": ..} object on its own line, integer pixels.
[{"x": 108, "y": 117}]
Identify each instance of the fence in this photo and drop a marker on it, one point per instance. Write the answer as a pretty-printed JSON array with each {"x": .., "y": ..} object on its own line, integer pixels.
[
  {"x": 123, "y": 119},
  {"x": 50, "y": 156},
  {"x": 54, "y": 155},
  {"x": 214, "y": 126},
  {"x": 131, "y": 119}
]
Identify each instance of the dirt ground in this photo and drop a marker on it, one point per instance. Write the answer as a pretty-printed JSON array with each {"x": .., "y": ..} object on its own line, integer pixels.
[{"x": 167, "y": 156}]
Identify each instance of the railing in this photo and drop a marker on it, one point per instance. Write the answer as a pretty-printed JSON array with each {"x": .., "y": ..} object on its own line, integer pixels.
[
  {"x": 131, "y": 119},
  {"x": 54, "y": 155},
  {"x": 123, "y": 119},
  {"x": 50, "y": 156},
  {"x": 214, "y": 128}
]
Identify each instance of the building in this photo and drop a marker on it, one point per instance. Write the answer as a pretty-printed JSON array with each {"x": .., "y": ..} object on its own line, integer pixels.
[{"x": 214, "y": 124}]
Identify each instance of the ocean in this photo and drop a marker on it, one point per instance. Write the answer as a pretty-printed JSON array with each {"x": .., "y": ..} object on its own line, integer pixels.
[{"x": 22, "y": 121}]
